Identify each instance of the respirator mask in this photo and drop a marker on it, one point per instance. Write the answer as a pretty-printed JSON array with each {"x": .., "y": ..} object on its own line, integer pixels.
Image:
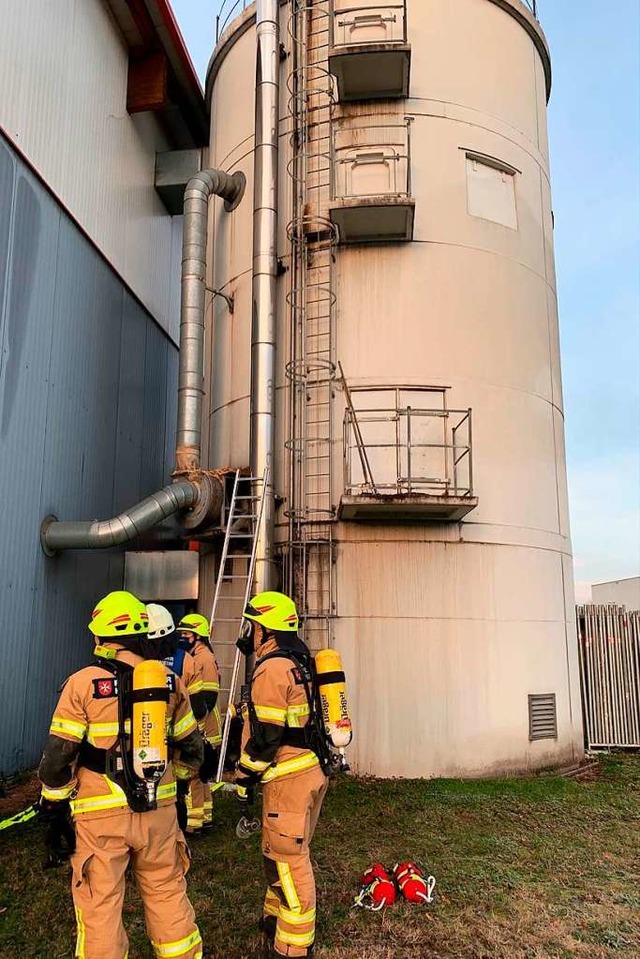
[{"x": 245, "y": 640}]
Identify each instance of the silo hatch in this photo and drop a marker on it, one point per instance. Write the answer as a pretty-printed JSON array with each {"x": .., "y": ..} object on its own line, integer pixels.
[
  {"x": 407, "y": 457},
  {"x": 368, "y": 53}
]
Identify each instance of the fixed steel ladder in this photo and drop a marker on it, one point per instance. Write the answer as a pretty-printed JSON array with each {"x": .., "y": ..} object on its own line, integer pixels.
[{"x": 311, "y": 369}]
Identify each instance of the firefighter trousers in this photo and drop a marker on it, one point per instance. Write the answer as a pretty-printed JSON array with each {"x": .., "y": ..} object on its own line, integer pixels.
[
  {"x": 199, "y": 806},
  {"x": 157, "y": 852},
  {"x": 290, "y": 810}
]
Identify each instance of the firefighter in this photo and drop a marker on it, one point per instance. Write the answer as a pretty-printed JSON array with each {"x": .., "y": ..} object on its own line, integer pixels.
[
  {"x": 100, "y": 814},
  {"x": 278, "y": 752},
  {"x": 195, "y": 636},
  {"x": 165, "y": 644}
]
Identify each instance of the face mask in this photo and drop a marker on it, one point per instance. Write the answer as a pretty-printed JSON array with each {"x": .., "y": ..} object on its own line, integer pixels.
[
  {"x": 160, "y": 648},
  {"x": 245, "y": 641}
]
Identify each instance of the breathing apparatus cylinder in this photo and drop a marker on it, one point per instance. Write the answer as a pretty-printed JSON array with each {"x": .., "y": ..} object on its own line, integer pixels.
[
  {"x": 333, "y": 697},
  {"x": 149, "y": 724}
]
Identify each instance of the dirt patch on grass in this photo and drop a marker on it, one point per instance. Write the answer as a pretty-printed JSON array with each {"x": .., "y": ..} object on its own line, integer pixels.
[{"x": 19, "y": 795}]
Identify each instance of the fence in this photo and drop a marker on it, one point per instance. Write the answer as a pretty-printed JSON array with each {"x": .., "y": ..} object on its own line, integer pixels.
[
  {"x": 609, "y": 646},
  {"x": 363, "y": 22},
  {"x": 372, "y": 160},
  {"x": 397, "y": 448}
]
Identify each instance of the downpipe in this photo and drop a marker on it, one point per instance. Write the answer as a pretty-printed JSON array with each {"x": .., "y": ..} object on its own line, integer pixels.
[
  {"x": 194, "y": 495},
  {"x": 265, "y": 273}
]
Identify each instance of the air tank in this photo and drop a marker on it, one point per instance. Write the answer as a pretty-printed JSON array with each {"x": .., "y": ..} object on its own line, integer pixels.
[{"x": 421, "y": 512}]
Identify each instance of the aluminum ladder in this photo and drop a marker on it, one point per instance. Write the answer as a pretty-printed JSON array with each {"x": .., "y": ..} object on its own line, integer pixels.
[{"x": 236, "y": 570}]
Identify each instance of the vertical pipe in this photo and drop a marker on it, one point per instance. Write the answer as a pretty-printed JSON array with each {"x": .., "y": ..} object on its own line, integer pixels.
[
  {"x": 263, "y": 327},
  {"x": 197, "y": 194}
]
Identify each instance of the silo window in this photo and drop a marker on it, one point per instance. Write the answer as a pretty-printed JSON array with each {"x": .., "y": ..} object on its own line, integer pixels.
[{"x": 491, "y": 190}]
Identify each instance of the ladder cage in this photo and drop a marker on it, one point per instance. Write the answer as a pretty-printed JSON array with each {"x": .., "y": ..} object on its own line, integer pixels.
[{"x": 311, "y": 367}]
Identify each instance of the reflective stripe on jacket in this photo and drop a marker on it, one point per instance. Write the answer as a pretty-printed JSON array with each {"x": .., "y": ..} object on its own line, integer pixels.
[{"x": 88, "y": 709}]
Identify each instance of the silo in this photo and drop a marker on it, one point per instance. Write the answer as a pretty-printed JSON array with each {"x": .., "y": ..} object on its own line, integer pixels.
[{"x": 420, "y": 479}]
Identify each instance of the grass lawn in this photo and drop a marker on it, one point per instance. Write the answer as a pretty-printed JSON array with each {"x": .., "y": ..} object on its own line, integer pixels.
[{"x": 545, "y": 868}]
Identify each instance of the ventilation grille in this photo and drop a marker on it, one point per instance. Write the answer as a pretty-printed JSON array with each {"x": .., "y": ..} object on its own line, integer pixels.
[{"x": 543, "y": 721}]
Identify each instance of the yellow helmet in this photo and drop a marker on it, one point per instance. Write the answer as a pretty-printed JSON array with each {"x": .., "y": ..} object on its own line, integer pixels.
[
  {"x": 273, "y": 611},
  {"x": 119, "y": 614},
  {"x": 195, "y": 623}
]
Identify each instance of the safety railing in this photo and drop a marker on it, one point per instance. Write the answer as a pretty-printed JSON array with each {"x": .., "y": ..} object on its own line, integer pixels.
[
  {"x": 390, "y": 18},
  {"x": 360, "y": 22},
  {"x": 371, "y": 161},
  {"x": 228, "y": 10},
  {"x": 400, "y": 449}
]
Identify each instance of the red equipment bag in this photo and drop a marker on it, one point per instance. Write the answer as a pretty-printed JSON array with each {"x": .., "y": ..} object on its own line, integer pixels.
[
  {"x": 412, "y": 883},
  {"x": 378, "y": 889}
]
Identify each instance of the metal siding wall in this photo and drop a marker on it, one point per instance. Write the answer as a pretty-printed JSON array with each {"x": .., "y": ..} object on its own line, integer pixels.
[
  {"x": 85, "y": 387},
  {"x": 128, "y": 472},
  {"x": 63, "y": 88}
]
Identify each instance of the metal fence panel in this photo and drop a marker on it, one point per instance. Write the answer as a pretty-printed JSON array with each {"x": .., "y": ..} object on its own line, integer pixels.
[{"x": 609, "y": 644}]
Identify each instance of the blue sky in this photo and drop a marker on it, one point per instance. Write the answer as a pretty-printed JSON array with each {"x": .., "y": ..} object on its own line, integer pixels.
[{"x": 594, "y": 124}]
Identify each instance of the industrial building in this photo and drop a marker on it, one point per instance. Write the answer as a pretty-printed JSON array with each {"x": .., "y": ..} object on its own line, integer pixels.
[
  {"x": 622, "y": 592},
  {"x": 89, "y": 308},
  {"x": 374, "y": 339}
]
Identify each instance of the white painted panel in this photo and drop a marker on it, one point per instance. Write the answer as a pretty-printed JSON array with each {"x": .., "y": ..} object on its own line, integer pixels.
[
  {"x": 63, "y": 87},
  {"x": 491, "y": 193}
]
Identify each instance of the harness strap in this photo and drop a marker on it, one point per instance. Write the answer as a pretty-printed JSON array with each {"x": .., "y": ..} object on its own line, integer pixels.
[
  {"x": 134, "y": 788},
  {"x": 312, "y": 735}
]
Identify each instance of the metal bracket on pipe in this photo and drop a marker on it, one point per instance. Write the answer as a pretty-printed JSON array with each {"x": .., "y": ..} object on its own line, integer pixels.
[{"x": 229, "y": 300}]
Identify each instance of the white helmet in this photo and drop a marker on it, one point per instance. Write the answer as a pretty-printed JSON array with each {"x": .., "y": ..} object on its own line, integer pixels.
[{"x": 160, "y": 621}]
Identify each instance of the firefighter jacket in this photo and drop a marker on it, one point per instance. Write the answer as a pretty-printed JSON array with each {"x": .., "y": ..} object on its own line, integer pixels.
[
  {"x": 87, "y": 712},
  {"x": 278, "y": 703},
  {"x": 184, "y": 665},
  {"x": 206, "y": 662}
]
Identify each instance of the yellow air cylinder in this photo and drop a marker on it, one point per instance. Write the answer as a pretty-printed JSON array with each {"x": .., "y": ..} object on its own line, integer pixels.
[
  {"x": 333, "y": 697},
  {"x": 149, "y": 721}
]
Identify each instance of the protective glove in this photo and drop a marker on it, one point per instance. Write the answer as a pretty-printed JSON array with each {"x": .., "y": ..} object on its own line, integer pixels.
[
  {"x": 60, "y": 836},
  {"x": 244, "y": 795},
  {"x": 209, "y": 767},
  {"x": 182, "y": 791}
]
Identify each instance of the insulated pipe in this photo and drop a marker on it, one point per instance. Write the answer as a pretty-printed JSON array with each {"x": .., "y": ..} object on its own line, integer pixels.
[
  {"x": 199, "y": 190},
  {"x": 265, "y": 271},
  {"x": 200, "y": 495},
  {"x": 97, "y": 534}
]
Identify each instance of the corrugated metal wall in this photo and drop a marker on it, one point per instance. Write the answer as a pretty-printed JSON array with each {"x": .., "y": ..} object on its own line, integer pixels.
[{"x": 87, "y": 425}]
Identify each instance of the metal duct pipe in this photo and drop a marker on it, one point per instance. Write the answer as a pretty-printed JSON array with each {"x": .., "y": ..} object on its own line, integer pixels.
[
  {"x": 96, "y": 534},
  {"x": 199, "y": 190},
  {"x": 200, "y": 495},
  {"x": 265, "y": 271}
]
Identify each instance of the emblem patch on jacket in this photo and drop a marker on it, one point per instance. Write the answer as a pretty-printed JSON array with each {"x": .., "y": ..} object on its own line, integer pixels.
[
  {"x": 297, "y": 676},
  {"x": 105, "y": 688}
]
